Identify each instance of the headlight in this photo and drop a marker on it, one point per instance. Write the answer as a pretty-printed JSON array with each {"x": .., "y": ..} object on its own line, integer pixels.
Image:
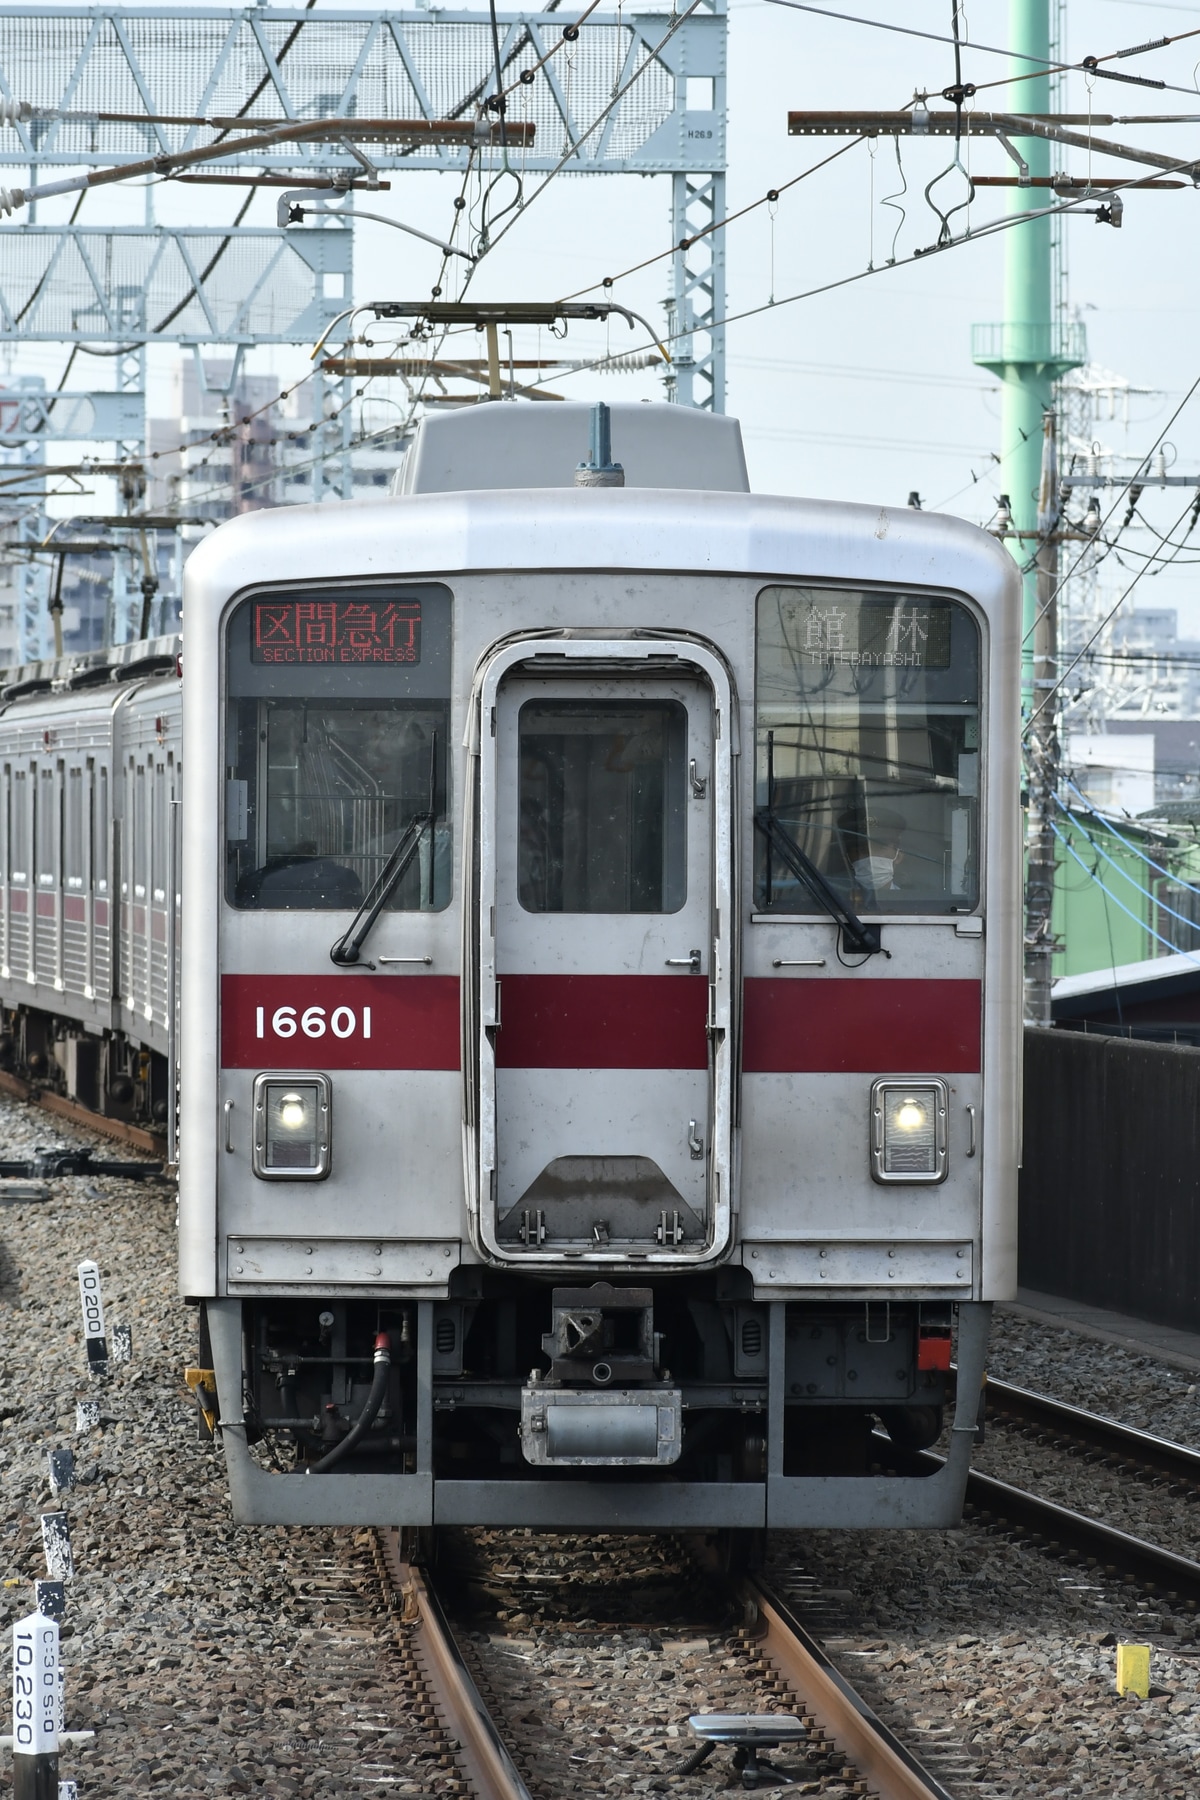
[
  {"x": 908, "y": 1131},
  {"x": 293, "y": 1117}
]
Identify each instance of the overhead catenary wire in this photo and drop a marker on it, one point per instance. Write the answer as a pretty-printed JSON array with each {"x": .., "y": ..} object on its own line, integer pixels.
[
  {"x": 618, "y": 95},
  {"x": 487, "y": 243},
  {"x": 1128, "y": 911},
  {"x": 750, "y": 312},
  {"x": 768, "y": 199},
  {"x": 483, "y": 246},
  {"x": 1124, "y": 842},
  {"x": 1119, "y": 495},
  {"x": 1111, "y": 614},
  {"x": 1146, "y": 893},
  {"x": 990, "y": 228},
  {"x": 1090, "y": 66}
]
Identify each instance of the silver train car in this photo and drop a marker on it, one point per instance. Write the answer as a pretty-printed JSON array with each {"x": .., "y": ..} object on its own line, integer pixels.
[
  {"x": 89, "y": 912},
  {"x": 600, "y": 988}
]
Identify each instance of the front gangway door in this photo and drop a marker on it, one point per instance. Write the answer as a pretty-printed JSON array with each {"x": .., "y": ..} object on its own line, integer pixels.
[{"x": 603, "y": 1105}]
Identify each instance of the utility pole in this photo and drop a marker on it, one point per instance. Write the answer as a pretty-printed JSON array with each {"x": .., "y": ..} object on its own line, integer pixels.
[
  {"x": 1042, "y": 752},
  {"x": 1029, "y": 351},
  {"x": 1029, "y": 373}
]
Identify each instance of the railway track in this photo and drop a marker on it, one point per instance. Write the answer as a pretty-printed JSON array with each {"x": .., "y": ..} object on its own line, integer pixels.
[
  {"x": 442, "y": 1686},
  {"x": 1074, "y": 1535},
  {"x": 827, "y": 1730},
  {"x": 153, "y": 1142},
  {"x": 832, "y": 1710},
  {"x": 1070, "y": 1427}
]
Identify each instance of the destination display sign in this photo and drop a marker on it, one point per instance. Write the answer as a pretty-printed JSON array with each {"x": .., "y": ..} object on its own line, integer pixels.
[
  {"x": 900, "y": 633},
  {"x": 336, "y": 632}
]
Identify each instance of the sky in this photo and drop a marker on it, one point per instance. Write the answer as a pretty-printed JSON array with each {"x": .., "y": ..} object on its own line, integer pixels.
[{"x": 868, "y": 392}]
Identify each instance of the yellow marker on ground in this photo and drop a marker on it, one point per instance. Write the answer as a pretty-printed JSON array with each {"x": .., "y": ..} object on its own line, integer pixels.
[{"x": 1133, "y": 1670}]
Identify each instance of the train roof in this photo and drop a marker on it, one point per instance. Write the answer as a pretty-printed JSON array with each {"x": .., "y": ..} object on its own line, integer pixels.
[
  {"x": 102, "y": 670},
  {"x": 424, "y": 536},
  {"x": 521, "y": 444}
]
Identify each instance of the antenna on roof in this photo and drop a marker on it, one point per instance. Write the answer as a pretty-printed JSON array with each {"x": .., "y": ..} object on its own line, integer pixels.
[{"x": 600, "y": 470}]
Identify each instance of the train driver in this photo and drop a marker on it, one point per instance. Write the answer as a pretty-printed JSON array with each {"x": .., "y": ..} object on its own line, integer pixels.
[{"x": 873, "y": 850}]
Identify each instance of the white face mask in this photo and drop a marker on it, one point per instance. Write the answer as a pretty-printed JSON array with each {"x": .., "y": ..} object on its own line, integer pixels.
[{"x": 875, "y": 871}]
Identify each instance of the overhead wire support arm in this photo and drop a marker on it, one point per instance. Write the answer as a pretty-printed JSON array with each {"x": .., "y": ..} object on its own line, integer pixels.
[
  {"x": 290, "y": 211},
  {"x": 1123, "y": 481},
  {"x": 167, "y": 163},
  {"x": 981, "y": 124}
]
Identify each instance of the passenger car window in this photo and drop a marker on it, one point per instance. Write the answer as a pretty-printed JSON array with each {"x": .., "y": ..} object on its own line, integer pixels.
[
  {"x": 336, "y": 738},
  {"x": 602, "y": 806},
  {"x": 73, "y": 866},
  {"x": 18, "y": 828},
  {"x": 47, "y": 828},
  {"x": 867, "y": 749}
]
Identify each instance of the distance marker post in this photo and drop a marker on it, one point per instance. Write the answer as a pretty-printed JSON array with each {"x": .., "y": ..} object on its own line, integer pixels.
[
  {"x": 93, "y": 1318},
  {"x": 35, "y": 1708},
  {"x": 56, "y": 1543}
]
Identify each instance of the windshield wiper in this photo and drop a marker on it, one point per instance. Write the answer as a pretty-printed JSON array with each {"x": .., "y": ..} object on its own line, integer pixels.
[
  {"x": 348, "y": 947},
  {"x": 857, "y": 939}
]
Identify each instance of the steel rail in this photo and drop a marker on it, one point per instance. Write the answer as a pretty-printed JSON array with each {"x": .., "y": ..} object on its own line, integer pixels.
[
  {"x": 887, "y": 1765},
  {"x": 1065, "y": 1529},
  {"x": 999, "y": 1503},
  {"x": 1142, "y": 1448},
  {"x": 479, "y": 1747},
  {"x": 78, "y": 1114}
]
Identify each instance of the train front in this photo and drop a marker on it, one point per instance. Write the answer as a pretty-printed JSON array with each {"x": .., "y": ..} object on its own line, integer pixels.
[{"x": 600, "y": 990}]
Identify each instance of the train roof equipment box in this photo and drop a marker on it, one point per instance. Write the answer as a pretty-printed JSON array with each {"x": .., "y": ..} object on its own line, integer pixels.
[{"x": 522, "y": 445}]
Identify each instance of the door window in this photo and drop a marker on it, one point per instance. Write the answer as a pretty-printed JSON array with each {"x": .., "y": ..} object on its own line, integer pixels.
[{"x": 602, "y": 806}]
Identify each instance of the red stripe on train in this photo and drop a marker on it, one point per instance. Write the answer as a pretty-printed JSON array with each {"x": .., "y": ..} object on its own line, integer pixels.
[
  {"x": 862, "y": 1026},
  {"x": 602, "y": 1022},
  {"x": 339, "y": 1022}
]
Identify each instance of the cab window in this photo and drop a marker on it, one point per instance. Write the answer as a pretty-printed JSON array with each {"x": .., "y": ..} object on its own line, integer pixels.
[
  {"x": 867, "y": 750},
  {"x": 337, "y": 734}
]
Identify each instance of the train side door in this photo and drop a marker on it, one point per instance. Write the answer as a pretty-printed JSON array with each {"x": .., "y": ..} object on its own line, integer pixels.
[{"x": 604, "y": 927}]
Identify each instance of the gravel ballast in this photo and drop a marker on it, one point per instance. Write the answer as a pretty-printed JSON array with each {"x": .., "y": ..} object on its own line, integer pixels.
[
  {"x": 208, "y": 1659},
  {"x": 996, "y": 1663},
  {"x": 216, "y": 1660},
  {"x": 1139, "y": 1390}
]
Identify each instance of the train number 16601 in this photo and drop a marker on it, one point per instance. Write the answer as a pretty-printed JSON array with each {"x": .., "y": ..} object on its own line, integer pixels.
[{"x": 313, "y": 1022}]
